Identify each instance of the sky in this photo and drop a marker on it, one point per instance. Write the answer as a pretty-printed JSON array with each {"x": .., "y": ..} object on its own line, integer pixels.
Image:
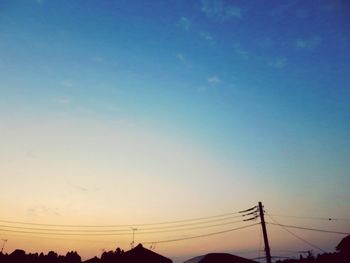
[{"x": 131, "y": 112}]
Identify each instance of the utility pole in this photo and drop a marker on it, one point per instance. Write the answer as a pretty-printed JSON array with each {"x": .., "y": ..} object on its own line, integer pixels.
[{"x": 266, "y": 241}]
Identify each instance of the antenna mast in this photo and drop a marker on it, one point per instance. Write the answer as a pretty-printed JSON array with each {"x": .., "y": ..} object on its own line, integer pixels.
[
  {"x": 133, "y": 237},
  {"x": 3, "y": 245}
]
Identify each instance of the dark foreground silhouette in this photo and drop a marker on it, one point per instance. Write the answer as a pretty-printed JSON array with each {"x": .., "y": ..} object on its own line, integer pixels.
[
  {"x": 219, "y": 258},
  {"x": 140, "y": 254},
  {"x": 341, "y": 256}
]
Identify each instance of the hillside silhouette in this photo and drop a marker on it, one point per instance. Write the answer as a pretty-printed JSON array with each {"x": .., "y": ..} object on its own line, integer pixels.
[{"x": 139, "y": 254}]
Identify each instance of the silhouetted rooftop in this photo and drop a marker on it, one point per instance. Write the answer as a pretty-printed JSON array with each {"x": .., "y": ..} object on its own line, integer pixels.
[
  {"x": 219, "y": 258},
  {"x": 93, "y": 260},
  {"x": 140, "y": 254}
]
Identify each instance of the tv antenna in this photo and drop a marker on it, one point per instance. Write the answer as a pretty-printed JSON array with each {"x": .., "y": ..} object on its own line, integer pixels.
[
  {"x": 3, "y": 245},
  {"x": 133, "y": 237},
  {"x": 153, "y": 246}
]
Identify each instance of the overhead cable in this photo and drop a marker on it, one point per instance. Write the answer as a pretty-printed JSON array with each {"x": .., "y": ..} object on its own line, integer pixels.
[
  {"x": 122, "y": 230},
  {"x": 125, "y": 225},
  {"x": 313, "y": 217},
  {"x": 295, "y": 235},
  {"x": 115, "y": 232},
  {"x": 311, "y": 229},
  {"x": 199, "y": 236}
]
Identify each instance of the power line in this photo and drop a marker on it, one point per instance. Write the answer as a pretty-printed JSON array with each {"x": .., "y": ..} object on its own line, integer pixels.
[
  {"x": 295, "y": 235},
  {"x": 61, "y": 238},
  {"x": 122, "y": 230},
  {"x": 109, "y": 233},
  {"x": 195, "y": 223},
  {"x": 304, "y": 240},
  {"x": 199, "y": 236},
  {"x": 312, "y": 217},
  {"x": 65, "y": 234},
  {"x": 63, "y": 230},
  {"x": 126, "y": 225},
  {"x": 311, "y": 229},
  {"x": 193, "y": 228},
  {"x": 152, "y": 242}
]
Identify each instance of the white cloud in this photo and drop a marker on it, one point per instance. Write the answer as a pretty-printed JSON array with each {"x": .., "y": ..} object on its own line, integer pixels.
[
  {"x": 278, "y": 63},
  {"x": 281, "y": 8},
  {"x": 233, "y": 11},
  {"x": 79, "y": 187},
  {"x": 98, "y": 59},
  {"x": 239, "y": 50},
  {"x": 182, "y": 58},
  {"x": 67, "y": 83},
  {"x": 218, "y": 9},
  {"x": 302, "y": 13},
  {"x": 42, "y": 210},
  {"x": 300, "y": 43},
  {"x": 113, "y": 108},
  {"x": 214, "y": 80},
  {"x": 266, "y": 42},
  {"x": 207, "y": 37},
  {"x": 212, "y": 7},
  {"x": 308, "y": 43},
  {"x": 184, "y": 23},
  {"x": 63, "y": 100},
  {"x": 201, "y": 89}
]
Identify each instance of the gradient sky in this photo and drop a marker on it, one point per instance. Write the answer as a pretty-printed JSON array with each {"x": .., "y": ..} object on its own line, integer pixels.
[{"x": 121, "y": 112}]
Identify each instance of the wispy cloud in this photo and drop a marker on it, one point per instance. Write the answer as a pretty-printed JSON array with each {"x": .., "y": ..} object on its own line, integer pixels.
[
  {"x": 98, "y": 59},
  {"x": 201, "y": 89},
  {"x": 183, "y": 59},
  {"x": 307, "y": 43},
  {"x": 282, "y": 7},
  {"x": 278, "y": 63},
  {"x": 113, "y": 108},
  {"x": 67, "y": 84},
  {"x": 302, "y": 13},
  {"x": 31, "y": 155},
  {"x": 214, "y": 80},
  {"x": 239, "y": 50},
  {"x": 39, "y": 1},
  {"x": 219, "y": 9},
  {"x": 126, "y": 123},
  {"x": 63, "y": 100},
  {"x": 207, "y": 37},
  {"x": 233, "y": 11},
  {"x": 79, "y": 187},
  {"x": 42, "y": 210},
  {"x": 184, "y": 23},
  {"x": 266, "y": 42}
]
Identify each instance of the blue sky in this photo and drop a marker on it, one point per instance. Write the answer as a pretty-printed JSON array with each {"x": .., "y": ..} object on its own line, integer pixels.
[{"x": 261, "y": 89}]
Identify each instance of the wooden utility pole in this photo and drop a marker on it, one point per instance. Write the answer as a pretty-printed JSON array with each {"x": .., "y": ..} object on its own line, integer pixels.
[{"x": 266, "y": 241}]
